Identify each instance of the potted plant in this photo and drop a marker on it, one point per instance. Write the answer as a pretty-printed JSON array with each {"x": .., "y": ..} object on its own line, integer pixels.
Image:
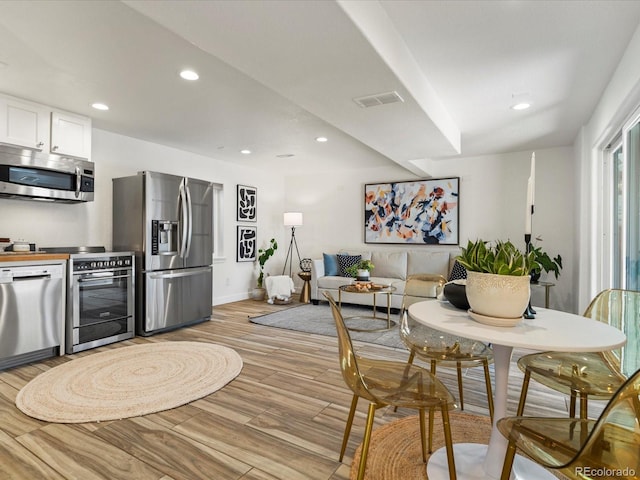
[
  {"x": 263, "y": 256},
  {"x": 497, "y": 279},
  {"x": 545, "y": 262},
  {"x": 360, "y": 270}
]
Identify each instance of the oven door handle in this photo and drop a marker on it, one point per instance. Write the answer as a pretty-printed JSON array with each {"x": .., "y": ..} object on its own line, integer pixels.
[{"x": 106, "y": 277}]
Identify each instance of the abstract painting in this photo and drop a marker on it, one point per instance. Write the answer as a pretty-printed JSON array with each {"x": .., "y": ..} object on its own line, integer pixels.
[
  {"x": 247, "y": 203},
  {"x": 420, "y": 212},
  {"x": 247, "y": 242}
]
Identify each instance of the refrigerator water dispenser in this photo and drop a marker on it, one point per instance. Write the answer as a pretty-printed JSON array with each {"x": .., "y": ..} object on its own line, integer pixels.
[{"x": 164, "y": 237}]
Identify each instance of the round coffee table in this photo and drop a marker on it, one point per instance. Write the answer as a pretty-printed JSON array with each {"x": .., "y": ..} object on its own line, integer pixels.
[{"x": 380, "y": 289}]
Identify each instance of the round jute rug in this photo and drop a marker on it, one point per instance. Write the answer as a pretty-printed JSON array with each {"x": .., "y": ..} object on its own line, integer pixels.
[
  {"x": 395, "y": 452},
  {"x": 129, "y": 381}
]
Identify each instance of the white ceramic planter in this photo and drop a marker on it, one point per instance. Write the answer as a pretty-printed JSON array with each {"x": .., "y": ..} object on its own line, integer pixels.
[
  {"x": 499, "y": 296},
  {"x": 363, "y": 275}
]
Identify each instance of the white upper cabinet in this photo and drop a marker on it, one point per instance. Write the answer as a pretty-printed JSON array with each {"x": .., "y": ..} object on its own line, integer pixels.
[
  {"x": 70, "y": 134},
  {"x": 24, "y": 124},
  {"x": 38, "y": 127}
]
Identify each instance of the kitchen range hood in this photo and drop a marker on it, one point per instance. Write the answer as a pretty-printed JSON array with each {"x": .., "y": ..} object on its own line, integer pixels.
[{"x": 30, "y": 175}]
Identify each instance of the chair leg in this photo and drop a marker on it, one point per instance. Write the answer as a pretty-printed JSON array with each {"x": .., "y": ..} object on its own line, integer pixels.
[
  {"x": 508, "y": 461},
  {"x": 448, "y": 443},
  {"x": 461, "y": 395},
  {"x": 583, "y": 406},
  {"x": 572, "y": 404},
  {"x": 487, "y": 381},
  {"x": 423, "y": 435},
  {"x": 431, "y": 430},
  {"x": 523, "y": 393},
  {"x": 347, "y": 429},
  {"x": 366, "y": 441}
]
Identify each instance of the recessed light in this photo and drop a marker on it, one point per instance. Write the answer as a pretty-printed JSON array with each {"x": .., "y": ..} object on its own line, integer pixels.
[
  {"x": 245, "y": 152},
  {"x": 322, "y": 139},
  {"x": 520, "y": 106},
  {"x": 285, "y": 155},
  {"x": 189, "y": 75},
  {"x": 520, "y": 101},
  {"x": 100, "y": 106}
]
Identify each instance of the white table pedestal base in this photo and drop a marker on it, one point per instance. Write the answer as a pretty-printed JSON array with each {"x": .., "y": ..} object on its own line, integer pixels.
[{"x": 469, "y": 458}]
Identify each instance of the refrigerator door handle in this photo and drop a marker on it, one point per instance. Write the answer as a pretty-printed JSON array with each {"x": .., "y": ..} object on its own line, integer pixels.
[
  {"x": 184, "y": 220},
  {"x": 190, "y": 222},
  {"x": 179, "y": 273}
]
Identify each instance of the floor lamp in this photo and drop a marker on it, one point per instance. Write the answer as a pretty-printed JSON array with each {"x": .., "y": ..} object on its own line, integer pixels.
[{"x": 293, "y": 220}]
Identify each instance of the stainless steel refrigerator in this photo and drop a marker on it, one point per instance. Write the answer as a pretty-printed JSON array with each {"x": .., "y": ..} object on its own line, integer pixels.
[{"x": 167, "y": 220}]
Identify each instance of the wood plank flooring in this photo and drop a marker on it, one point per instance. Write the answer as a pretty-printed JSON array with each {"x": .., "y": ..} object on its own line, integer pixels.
[{"x": 281, "y": 418}]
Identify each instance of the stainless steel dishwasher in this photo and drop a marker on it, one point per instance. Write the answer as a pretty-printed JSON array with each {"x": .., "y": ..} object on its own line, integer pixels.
[{"x": 31, "y": 313}]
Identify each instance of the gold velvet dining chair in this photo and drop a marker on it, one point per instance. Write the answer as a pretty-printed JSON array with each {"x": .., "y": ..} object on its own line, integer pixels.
[
  {"x": 439, "y": 348},
  {"x": 389, "y": 383},
  {"x": 608, "y": 447},
  {"x": 595, "y": 374}
]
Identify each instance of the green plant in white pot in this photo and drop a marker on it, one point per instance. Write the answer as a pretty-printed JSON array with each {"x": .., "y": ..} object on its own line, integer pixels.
[
  {"x": 360, "y": 270},
  {"x": 497, "y": 279}
]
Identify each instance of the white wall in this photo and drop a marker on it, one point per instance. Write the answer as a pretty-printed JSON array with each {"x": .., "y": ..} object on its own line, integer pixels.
[
  {"x": 492, "y": 194},
  {"x": 619, "y": 100},
  {"x": 56, "y": 224},
  {"x": 492, "y": 206}
]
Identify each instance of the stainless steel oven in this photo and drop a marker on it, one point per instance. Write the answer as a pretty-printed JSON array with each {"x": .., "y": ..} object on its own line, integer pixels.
[{"x": 100, "y": 308}]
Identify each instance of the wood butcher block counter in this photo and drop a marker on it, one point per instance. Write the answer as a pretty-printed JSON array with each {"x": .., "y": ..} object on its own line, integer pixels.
[{"x": 31, "y": 256}]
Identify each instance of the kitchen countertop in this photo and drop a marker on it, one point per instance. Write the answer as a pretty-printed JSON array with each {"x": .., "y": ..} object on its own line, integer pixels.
[{"x": 30, "y": 256}]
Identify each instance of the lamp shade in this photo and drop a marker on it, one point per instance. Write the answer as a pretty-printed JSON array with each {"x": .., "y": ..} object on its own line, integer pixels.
[{"x": 292, "y": 219}]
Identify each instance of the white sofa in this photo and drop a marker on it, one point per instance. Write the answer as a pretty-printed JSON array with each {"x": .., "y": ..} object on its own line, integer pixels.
[{"x": 391, "y": 267}]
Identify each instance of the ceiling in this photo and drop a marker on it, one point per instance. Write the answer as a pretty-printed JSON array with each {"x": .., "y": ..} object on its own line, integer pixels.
[{"x": 274, "y": 75}]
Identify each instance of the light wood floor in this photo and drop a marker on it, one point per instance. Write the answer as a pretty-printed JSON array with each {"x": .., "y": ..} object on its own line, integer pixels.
[{"x": 281, "y": 418}]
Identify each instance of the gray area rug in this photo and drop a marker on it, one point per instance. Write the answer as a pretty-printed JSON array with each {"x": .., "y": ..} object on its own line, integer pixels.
[{"x": 318, "y": 319}]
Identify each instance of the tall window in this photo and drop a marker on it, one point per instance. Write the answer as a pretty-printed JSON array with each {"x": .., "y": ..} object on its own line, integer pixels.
[
  {"x": 632, "y": 282},
  {"x": 621, "y": 245},
  {"x": 622, "y": 185},
  {"x": 617, "y": 217}
]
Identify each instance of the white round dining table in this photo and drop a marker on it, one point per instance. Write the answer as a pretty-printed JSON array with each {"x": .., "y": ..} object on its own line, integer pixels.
[{"x": 549, "y": 330}]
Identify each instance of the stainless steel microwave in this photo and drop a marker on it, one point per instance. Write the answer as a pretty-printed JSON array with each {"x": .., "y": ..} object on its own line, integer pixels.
[{"x": 36, "y": 176}]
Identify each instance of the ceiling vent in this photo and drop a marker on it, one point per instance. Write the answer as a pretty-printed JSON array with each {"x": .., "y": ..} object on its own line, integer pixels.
[{"x": 378, "y": 99}]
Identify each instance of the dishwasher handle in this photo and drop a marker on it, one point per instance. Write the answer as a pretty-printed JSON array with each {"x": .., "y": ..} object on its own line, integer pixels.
[
  {"x": 23, "y": 278},
  {"x": 24, "y": 274}
]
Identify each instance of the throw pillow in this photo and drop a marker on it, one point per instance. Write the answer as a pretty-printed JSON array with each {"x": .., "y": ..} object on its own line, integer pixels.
[
  {"x": 346, "y": 261},
  {"x": 458, "y": 272},
  {"x": 330, "y": 264}
]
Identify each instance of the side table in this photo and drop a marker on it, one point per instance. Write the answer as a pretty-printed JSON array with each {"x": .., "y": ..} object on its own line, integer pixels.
[
  {"x": 305, "y": 293},
  {"x": 547, "y": 286}
]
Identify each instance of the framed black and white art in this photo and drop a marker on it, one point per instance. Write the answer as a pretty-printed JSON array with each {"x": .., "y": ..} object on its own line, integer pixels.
[
  {"x": 247, "y": 244},
  {"x": 247, "y": 200}
]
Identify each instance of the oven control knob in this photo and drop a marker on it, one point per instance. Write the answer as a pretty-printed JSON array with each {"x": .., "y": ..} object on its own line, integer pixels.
[{"x": 93, "y": 265}]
